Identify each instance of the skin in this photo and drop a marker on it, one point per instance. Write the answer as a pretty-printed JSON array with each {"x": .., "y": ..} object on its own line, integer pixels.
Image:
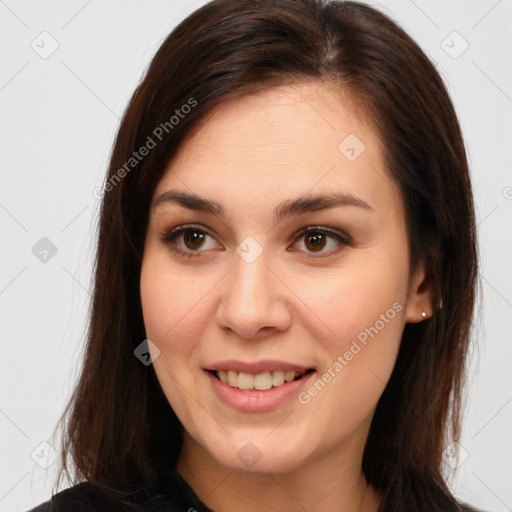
[{"x": 292, "y": 303}]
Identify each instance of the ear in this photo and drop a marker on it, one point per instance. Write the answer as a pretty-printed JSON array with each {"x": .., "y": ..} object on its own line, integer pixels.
[{"x": 421, "y": 297}]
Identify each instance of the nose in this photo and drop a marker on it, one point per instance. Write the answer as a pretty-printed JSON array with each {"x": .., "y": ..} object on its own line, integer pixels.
[{"x": 254, "y": 301}]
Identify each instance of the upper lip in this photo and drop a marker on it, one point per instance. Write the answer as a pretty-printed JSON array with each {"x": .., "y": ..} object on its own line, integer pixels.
[{"x": 256, "y": 367}]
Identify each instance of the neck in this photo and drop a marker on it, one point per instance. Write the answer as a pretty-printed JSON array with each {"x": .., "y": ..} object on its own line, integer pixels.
[{"x": 334, "y": 482}]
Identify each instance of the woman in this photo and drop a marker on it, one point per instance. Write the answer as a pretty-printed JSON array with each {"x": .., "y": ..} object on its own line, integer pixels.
[{"x": 285, "y": 274}]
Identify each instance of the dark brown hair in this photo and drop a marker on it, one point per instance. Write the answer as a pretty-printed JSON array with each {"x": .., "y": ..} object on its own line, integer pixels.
[{"x": 119, "y": 429}]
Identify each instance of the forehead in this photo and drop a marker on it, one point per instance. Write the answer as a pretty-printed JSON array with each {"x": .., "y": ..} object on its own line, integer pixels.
[{"x": 284, "y": 141}]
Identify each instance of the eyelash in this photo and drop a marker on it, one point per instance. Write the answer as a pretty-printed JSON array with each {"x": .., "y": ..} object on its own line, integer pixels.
[{"x": 170, "y": 237}]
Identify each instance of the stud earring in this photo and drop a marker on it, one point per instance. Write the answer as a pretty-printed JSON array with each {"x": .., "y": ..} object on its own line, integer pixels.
[{"x": 423, "y": 314}]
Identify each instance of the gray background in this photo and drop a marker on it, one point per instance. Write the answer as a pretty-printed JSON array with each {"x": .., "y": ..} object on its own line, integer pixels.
[{"x": 60, "y": 112}]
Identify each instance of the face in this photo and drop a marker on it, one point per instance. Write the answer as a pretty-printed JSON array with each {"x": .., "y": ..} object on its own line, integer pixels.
[{"x": 275, "y": 280}]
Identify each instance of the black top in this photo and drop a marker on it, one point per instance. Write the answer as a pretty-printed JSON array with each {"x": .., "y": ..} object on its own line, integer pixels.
[{"x": 170, "y": 494}]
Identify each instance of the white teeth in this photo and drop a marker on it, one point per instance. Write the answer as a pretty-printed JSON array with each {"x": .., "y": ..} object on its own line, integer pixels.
[
  {"x": 289, "y": 376},
  {"x": 245, "y": 380},
  {"x": 233, "y": 378},
  {"x": 261, "y": 381},
  {"x": 277, "y": 378}
]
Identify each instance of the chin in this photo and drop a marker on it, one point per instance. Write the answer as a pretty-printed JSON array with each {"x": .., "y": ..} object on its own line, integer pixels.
[{"x": 260, "y": 456}]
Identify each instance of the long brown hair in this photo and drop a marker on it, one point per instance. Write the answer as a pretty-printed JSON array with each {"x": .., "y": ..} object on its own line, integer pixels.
[{"x": 119, "y": 429}]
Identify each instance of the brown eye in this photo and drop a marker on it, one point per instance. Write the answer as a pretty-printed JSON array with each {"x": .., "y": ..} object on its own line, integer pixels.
[
  {"x": 193, "y": 239},
  {"x": 315, "y": 242},
  {"x": 190, "y": 241},
  {"x": 321, "y": 241}
]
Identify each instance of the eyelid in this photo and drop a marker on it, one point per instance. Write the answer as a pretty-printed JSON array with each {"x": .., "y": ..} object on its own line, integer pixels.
[
  {"x": 169, "y": 235},
  {"x": 168, "y": 239},
  {"x": 341, "y": 237}
]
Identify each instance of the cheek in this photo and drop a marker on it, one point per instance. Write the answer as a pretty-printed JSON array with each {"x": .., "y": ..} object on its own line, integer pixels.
[
  {"x": 171, "y": 301},
  {"x": 176, "y": 307},
  {"x": 349, "y": 302},
  {"x": 364, "y": 311},
  {"x": 173, "y": 315}
]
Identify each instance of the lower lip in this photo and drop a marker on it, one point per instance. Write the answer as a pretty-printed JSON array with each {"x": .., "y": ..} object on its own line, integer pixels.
[{"x": 257, "y": 401}]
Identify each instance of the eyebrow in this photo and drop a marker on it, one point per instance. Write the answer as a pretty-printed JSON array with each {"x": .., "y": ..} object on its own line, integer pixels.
[{"x": 288, "y": 208}]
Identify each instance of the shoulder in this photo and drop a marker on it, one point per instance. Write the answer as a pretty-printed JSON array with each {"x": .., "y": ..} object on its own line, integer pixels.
[
  {"x": 468, "y": 508},
  {"x": 175, "y": 496},
  {"x": 80, "y": 497},
  {"x": 83, "y": 497}
]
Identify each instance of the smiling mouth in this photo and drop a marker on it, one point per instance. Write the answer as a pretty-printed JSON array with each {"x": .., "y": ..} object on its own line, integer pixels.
[{"x": 259, "y": 382}]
